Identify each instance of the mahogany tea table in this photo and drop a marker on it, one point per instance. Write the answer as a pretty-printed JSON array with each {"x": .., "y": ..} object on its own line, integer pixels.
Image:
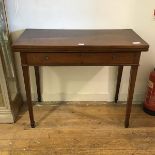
[{"x": 110, "y": 47}]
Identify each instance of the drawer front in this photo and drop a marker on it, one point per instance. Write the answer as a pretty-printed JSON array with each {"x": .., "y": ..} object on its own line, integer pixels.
[
  {"x": 47, "y": 59},
  {"x": 111, "y": 58},
  {"x": 53, "y": 58}
]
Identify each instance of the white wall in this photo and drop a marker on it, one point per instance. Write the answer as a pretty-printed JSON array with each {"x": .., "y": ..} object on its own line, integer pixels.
[
  {"x": 144, "y": 25},
  {"x": 84, "y": 83}
]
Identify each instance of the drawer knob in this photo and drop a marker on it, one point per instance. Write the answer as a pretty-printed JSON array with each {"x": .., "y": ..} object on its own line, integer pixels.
[
  {"x": 113, "y": 57},
  {"x": 46, "y": 57}
]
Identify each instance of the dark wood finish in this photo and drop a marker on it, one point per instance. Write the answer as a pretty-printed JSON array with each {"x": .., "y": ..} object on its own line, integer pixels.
[
  {"x": 37, "y": 74},
  {"x": 39, "y": 40},
  {"x": 28, "y": 94},
  {"x": 80, "y": 48},
  {"x": 93, "y": 58},
  {"x": 133, "y": 75},
  {"x": 119, "y": 77},
  {"x": 48, "y": 59},
  {"x": 109, "y": 59}
]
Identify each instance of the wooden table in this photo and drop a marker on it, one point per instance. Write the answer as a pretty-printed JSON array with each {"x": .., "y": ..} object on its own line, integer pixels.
[{"x": 40, "y": 47}]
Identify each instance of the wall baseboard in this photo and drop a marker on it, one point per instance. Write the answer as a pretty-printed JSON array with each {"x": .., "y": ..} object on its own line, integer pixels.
[
  {"x": 86, "y": 97},
  {"x": 6, "y": 117}
]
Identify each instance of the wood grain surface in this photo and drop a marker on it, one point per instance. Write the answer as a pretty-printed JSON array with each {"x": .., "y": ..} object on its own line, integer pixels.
[
  {"x": 79, "y": 128},
  {"x": 75, "y": 40}
]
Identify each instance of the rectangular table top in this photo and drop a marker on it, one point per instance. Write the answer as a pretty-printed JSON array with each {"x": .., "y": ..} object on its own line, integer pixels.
[{"x": 52, "y": 40}]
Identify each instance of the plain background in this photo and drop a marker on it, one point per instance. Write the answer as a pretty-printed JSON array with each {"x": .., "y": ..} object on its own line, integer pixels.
[{"x": 85, "y": 83}]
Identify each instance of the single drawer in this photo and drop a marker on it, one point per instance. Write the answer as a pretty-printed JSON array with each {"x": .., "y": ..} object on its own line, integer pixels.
[
  {"x": 85, "y": 59},
  {"x": 46, "y": 59},
  {"x": 110, "y": 58}
]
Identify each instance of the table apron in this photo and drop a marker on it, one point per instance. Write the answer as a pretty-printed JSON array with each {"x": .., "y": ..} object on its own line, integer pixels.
[{"x": 80, "y": 59}]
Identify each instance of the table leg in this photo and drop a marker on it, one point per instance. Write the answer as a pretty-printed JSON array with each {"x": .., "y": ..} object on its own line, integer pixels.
[
  {"x": 119, "y": 77},
  {"x": 133, "y": 75},
  {"x": 28, "y": 94},
  {"x": 36, "y": 68}
]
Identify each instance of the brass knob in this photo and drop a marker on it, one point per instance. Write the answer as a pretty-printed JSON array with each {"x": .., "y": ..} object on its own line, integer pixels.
[
  {"x": 113, "y": 56},
  {"x": 46, "y": 57}
]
